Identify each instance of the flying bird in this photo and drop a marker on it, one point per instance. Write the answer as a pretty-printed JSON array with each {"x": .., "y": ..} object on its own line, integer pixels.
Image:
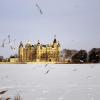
[
  {"x": 10, "y": 44},
  {"x": 75, "y": 69},
  {"x": 3, "y": 43},
  {"x": 47, "y": 71},
  {"x": 38, "y": 7},
  {"x": 89, "y": 77},
  {"x": 46, "y": 65},
  {"x": 9, "y": 40},
  {"x": 12, "y": 48},
  {"x": 2, "y": 92},
  {"x": 92, "y": 66}
]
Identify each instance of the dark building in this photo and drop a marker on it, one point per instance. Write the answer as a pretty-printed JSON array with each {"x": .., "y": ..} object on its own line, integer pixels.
[
  {"x": 1, "y": 58},
  {"x": 94, "y": 55}
]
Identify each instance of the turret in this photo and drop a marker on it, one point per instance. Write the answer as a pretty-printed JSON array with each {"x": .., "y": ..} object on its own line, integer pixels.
[
  {"x": 38, "y": 51},
  {"x": 21, "y": 45},
  {"x": 38, "y": 45},
  {"x": 20, "y": 52},
  {"x": 54, "y": 41}
]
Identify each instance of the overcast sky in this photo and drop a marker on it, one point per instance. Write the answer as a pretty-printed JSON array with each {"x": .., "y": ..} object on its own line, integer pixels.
[{"x": 76, "y": 23}]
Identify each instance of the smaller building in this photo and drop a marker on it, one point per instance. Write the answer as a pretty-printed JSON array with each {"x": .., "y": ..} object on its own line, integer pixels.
[
  {"x": 13, "y": 60},
  {"x": 94, "y": 55},
  {"x": 67, "y": 54},
  {"x": 1, "y": 58}
]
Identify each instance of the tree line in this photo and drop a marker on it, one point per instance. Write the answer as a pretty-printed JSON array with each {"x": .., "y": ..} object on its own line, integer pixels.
[{"x": 82, "y": 56}]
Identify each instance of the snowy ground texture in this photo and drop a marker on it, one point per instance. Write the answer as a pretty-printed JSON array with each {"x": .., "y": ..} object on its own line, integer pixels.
[{"x": 51, "y": 82}]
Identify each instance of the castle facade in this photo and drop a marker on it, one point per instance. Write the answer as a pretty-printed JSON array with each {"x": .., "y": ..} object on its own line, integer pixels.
[{"x": 39, "y": 52}]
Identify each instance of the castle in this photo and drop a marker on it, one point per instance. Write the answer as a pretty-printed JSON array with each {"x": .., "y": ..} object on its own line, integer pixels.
[{"x": 39, "y": 52}]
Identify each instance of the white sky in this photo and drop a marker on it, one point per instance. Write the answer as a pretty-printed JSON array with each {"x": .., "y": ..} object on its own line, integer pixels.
[{"x": 76, "y": 23}]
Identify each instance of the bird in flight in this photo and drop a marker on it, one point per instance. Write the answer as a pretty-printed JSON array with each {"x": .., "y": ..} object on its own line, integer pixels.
[
  {"x": 92, "y": 66},
  {"x": 8, "y": 42},
  {"x": 46, "y": 65},
  {"x": 89, "y": 77},
  {"x": 12, "y": 47},
  {"x": 75, "y": 69},
  {"x": 3, "y": 43},
  {"x": 9, "y": 39},
  {"x": 47, "y": 71},
  {"x": 38, "y": 7},
  {"x": 11, "y": 44},
  {"x": 2, "y": 92}
]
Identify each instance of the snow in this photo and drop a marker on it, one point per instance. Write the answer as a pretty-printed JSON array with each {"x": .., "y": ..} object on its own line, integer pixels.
[{"x": 62, "y": 82}]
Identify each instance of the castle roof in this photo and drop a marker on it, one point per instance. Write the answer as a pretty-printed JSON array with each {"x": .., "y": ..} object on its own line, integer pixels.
[
  {"x": 28, "y": 44},
  {"x": 21, "y": 44},
  {"x": 55, "y": 41}
]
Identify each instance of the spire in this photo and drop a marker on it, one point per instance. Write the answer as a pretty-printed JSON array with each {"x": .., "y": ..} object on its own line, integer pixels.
[
  {"x": 55, "y": 41},
  {"x": 38, "y": 42},
  {"x": 58, "y": 43},
  {"x": 21, "y": 44}
]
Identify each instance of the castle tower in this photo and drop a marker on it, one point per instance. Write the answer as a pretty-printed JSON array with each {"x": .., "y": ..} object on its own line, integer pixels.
[
  {"x": 58, "y": 51},
  {"x": 55, "y": 41},
  {"x": 28, "y": 51},
  {"x": 20, "y": 52},
  {"x": 38, "y": 52}
]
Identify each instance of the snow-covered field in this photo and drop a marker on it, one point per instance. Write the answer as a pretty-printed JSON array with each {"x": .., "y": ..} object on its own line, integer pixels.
[{"x": 51, "y": 82}]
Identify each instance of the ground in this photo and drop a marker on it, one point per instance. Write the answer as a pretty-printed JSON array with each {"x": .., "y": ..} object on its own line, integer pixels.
[{"x": 51, "y": 82}]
